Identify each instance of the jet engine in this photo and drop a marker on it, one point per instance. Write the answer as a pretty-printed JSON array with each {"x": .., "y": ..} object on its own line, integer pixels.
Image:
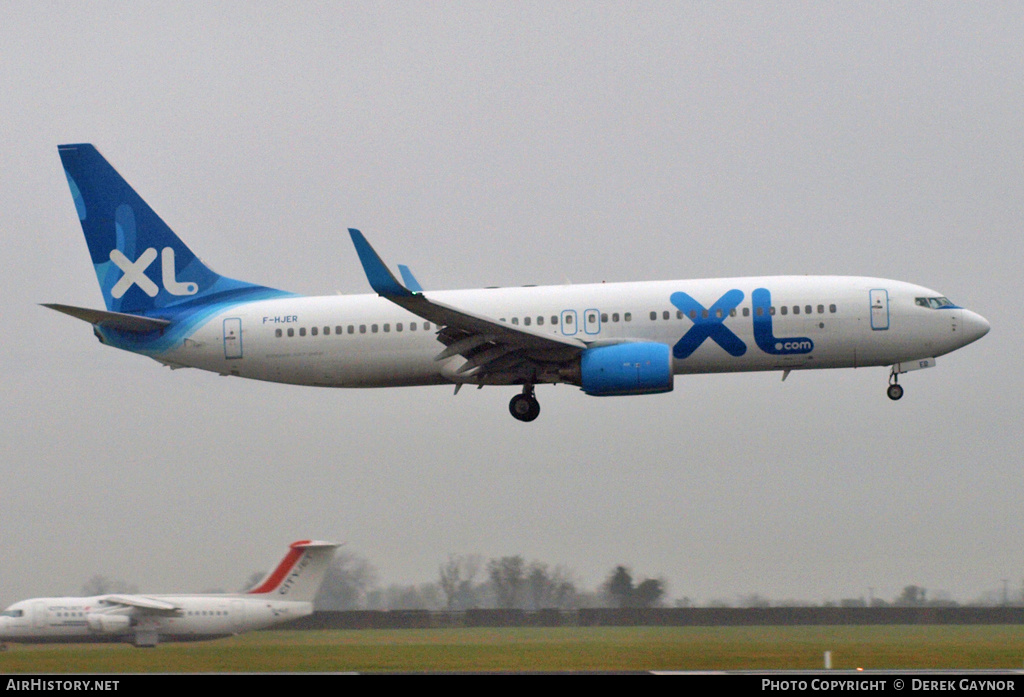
[
  {"x": 108, "y": 624},
  {"x": 641, "y": 367}
]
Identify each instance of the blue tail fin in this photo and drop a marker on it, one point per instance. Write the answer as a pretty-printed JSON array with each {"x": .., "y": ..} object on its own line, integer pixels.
[{"x": 140, "y": 263}]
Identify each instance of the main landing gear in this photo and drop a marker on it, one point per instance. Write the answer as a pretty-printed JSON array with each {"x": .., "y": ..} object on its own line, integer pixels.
[
  {"x": 895, "y": 391},
  {"x": 525, "y": 406}
]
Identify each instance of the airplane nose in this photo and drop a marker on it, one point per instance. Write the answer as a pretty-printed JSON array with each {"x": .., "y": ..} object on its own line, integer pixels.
[{"x": 974, "y": 326}]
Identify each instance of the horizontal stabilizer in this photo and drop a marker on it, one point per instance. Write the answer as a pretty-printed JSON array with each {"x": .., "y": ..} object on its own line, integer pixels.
[{"x": 111, "y": 320}]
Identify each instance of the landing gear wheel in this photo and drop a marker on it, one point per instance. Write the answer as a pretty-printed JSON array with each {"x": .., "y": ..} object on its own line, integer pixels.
[
  {"x": 895, "y": 392},
  {"x": 524, "y": 407}
]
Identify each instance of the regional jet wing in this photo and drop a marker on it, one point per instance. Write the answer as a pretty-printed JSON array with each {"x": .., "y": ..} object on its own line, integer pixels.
[
  {"x": 141, "y": 602},
  {"x": 489, "y": 345}
]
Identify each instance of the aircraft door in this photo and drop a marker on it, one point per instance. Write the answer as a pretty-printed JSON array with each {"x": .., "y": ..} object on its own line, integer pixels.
[
  {"x": 232, "y": 338},
  {"x": 591, "y": 321},
  {"x": 569, "y": 322},
  {"x": 879, "y": 309},
  {"x": 38, "y": 609},
  {"x": 238, "y": 614}
]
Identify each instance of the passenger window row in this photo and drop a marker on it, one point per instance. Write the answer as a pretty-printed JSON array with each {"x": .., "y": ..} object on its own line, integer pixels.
[
  {"x": 591, "y": 318},
  {"x": 783, "y": 310},
  {"x": 351, "y": 329}
]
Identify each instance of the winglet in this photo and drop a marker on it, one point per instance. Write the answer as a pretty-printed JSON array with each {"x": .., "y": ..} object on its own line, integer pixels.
[
  {"x": 410, "y": 281},
  {"x": 381, "y": 279}
]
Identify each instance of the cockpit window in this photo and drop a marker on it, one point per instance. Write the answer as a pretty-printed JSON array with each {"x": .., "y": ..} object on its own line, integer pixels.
[
  {"x": 934, "y": 303},
  {"x": 12, "y": 613}
]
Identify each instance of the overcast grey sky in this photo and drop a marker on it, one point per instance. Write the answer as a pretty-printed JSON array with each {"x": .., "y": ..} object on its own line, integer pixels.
[{"x": 502, "y": 144}]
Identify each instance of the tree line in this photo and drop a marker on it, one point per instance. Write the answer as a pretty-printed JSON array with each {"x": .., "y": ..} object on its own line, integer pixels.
[{"x": 468, "y": 582}]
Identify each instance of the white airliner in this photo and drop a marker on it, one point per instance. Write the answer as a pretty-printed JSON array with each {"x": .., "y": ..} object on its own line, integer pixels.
[
  {"x": 608, "y": 338},
  {"x": 285, "y": 594}
]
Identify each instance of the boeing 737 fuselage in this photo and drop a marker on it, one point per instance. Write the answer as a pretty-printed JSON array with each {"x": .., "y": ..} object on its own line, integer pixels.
[{"x": 608, "y": 338}]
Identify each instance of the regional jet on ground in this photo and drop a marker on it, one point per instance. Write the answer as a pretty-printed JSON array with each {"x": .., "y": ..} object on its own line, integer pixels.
[
  {"x": 285, "y": 594},
  {"x": 608, "y": 339}
]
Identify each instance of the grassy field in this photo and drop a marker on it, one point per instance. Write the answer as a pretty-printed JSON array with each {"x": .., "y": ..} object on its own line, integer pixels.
[{"x": 599, "y": 648}]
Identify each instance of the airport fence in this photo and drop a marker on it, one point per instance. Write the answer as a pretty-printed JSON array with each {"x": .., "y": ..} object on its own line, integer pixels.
[{"x": 657, "y": 617}]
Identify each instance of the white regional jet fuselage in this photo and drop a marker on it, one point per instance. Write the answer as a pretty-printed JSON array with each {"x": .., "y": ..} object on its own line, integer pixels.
[
  {"x": 609, "y": 338},
  {"x": 285, "y": 594},
  {"x": 102, "y": 618}
]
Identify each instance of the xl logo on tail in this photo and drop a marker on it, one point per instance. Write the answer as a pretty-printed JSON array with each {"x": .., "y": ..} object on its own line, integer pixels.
[{"x": 135, "y": 274}]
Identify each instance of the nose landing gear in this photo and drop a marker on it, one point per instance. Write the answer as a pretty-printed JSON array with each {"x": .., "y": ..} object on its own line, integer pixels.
[
  {"x": 895, "y": 390},
  {"x": 525, "y": 406}
]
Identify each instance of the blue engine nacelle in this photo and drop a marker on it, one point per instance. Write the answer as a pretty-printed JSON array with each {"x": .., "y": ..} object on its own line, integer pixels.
[{"x": 642, "y": 367}]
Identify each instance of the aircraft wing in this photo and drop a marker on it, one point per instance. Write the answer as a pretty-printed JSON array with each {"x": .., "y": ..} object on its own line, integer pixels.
[
  {"x": 145, "y": 604},
  {"x": 490, "y": 346}
]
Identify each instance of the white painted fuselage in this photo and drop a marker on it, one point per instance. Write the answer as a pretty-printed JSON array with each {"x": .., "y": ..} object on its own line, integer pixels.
[
  {"x": 101, "y": 618},
  {"x": 367, "y": 341},
  {"x": 286, "y": 593}
]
